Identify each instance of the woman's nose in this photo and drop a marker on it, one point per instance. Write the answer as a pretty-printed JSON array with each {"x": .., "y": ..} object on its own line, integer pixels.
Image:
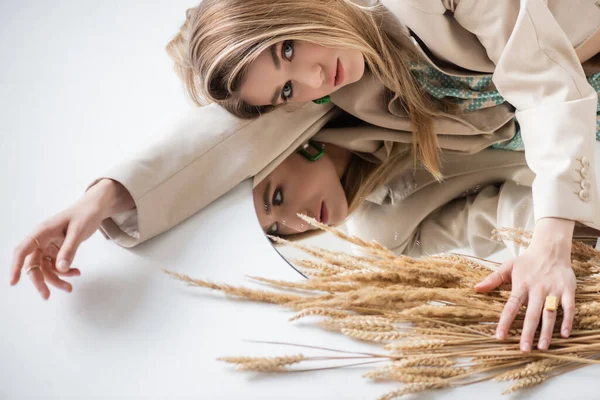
[
  {"x": 294, "y": 222},
  {"x": 314, "y": 78}
]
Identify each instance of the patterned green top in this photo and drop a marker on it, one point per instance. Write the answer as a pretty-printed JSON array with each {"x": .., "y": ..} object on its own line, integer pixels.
[{"x": 475, "y": 93}]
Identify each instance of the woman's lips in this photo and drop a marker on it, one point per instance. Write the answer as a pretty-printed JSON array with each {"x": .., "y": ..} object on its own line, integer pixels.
[{"x": 339, "y": 74}]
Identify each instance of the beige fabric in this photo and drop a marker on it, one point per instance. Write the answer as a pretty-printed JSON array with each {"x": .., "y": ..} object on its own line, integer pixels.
[
  {"x": 483, "y": 191},
  {"x": 528, "y": 45},
  {"x": 404, "y": 209},
  {"x": 464, "y": 222}
]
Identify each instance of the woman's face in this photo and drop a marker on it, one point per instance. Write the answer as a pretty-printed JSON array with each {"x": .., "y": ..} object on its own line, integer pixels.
[
  {"x": 300, "y": 186},
  {"x": 299, "y": 71}
]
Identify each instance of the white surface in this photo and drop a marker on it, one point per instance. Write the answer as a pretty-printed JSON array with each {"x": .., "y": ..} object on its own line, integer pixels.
[{"x": 84, "y": 83}]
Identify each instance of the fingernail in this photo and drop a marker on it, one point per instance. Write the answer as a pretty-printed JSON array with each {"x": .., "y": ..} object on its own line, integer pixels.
[
  {"x": 526, "y": 346},
  {"x": 565, "y": 332},
  {"x": 499, "y": 334},
  {"x": 63, "y": 265},
  {"x": 542, "y": 345}
]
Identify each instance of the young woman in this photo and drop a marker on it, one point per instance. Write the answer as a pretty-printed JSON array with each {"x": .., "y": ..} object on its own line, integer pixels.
[
  {"x": 450, "y": 215},
  {"x": 436, "y": 74}
]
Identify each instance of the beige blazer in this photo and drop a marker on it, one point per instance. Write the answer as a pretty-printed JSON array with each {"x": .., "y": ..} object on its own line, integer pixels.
[
  {"x": 415, "y": 215},
  {"x": 530, "y": 46}
]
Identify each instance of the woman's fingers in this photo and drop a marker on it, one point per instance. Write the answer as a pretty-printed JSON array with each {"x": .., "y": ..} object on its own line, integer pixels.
[
  {"x": 532, "y": 319},
  {"x": 35, "y": 274},
  {"x": 53, "y": 279},
  {"x": 53, "y": 248},
  {"x": 25, "y": 248},
  {"x": 568, "y": 306},
  {"x": 548, "y": 321},
  {"x": 52, "y": 251},
  {"x": 67, "y": 251},
  {"x": 511, "y": 309},
  {"x": 38, "y": 239},
  {"x": 496, "y": 278}
]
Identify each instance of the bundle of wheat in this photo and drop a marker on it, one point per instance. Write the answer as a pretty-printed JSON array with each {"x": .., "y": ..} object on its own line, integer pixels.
[{"x": 435, "y": 330}]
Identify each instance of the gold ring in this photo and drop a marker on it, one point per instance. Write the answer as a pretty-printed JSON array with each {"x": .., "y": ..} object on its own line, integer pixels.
[
  {"x": 32, "y": 267},
  {"x": 551, "y": 303},
  {"x": 47, "y": 258},
  {"x": 36, "y": 241},
  {"x": 520, "y": 302},
  {"x": 501, "y": 277}
]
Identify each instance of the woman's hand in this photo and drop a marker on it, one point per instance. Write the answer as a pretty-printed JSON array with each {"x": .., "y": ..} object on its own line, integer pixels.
[
  {"x": 48, "y": 251},
  {"x": 543, "y": 269}
]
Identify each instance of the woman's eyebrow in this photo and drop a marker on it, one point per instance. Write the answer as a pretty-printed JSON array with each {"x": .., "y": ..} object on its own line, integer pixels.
[{"x": 273, "y": 50}]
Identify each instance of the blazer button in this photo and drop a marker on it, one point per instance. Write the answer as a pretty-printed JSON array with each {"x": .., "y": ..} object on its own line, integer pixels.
[
  {"x": 584, "y": 195},
  {"x": 586, "y": 184},
  {"x": 585, "y": 162},
  {"x": 584, "y": 172}
]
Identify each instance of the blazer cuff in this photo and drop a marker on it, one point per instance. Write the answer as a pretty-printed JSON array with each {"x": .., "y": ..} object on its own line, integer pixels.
[
  {"x": 559, "y": 141},
  {"x": 122, "y": 228}
]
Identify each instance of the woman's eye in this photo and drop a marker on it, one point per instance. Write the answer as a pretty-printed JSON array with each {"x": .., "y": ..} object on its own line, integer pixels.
[
  {"x": 288, "y": 48},
  {"x": 273, "y": 229},
  {"x": 278, "y": 197},
  {"x": 288, "y": 53},
  {"x": 286, "y": 93}
]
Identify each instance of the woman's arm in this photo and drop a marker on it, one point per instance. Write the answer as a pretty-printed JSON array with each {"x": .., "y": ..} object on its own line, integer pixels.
[
  {"x": 111, "y": 197},
  {"x": 202, "y": 156},
  {"x": 538, "y": 72}
]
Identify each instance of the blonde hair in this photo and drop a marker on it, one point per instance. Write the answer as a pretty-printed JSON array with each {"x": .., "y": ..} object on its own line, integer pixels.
[{"x": 221, "y": 38}]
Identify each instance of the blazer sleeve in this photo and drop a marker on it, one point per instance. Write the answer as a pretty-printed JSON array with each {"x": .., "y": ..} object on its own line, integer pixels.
[
  {"x": 206, "y": 153},
  {"x": 468, "y": 222},
  {"x": 538, "y": 72}
]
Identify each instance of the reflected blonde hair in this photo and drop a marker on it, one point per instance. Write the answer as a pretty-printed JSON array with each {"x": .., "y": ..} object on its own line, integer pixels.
[{"x": 221, "y": 38}]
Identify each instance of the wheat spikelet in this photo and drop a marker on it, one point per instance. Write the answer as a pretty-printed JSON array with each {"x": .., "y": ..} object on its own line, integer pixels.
[
  {"x": 373, "y": 336},
  {"x": 525, "y": 383},
  {"x": 318, "y": 268},
  {"x": 325, "y": 312},
  {"x": 383, "y": 372},
  {"x": 362, "y": 323},
  {"x": 460, "y": 263},
  {"x": 410, "y": 388},
  {"x": 590, "y": 322},
  {"x": 310, "y": 285},
  {"x": 249, "y": 294},
  {"x": 438, "y": 372},
  {"x": 395, "y": 277},
  {"x": 453, "y": 312},
  {"x": 372, "y": 247},
  {"x": 408, "y": 378},
  {"x": 237, "y": 360},
  {"x": 495, "y": 361},
  {"x": 270, "y": 364},
  {"x": 593, "y": 307},
  {"x": 516, "y": 235},
  {"x": 327, "y": 256},
  {"x": 415, "y": 344}
]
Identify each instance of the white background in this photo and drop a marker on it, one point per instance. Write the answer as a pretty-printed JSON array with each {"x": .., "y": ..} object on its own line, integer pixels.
[{"x": 83, "y": 84}]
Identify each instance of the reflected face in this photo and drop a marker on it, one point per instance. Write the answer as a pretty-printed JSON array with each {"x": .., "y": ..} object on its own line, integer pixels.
[
  {"x": 299, "y": 71},
  {"x": 300, "y": 186}
]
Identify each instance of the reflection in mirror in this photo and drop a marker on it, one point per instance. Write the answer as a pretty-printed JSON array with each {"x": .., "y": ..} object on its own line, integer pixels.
[{"x": 347, "y": 177}]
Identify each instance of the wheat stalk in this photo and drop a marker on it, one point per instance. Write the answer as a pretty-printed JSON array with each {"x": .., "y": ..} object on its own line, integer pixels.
[{"x": 434, "y": 330}]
